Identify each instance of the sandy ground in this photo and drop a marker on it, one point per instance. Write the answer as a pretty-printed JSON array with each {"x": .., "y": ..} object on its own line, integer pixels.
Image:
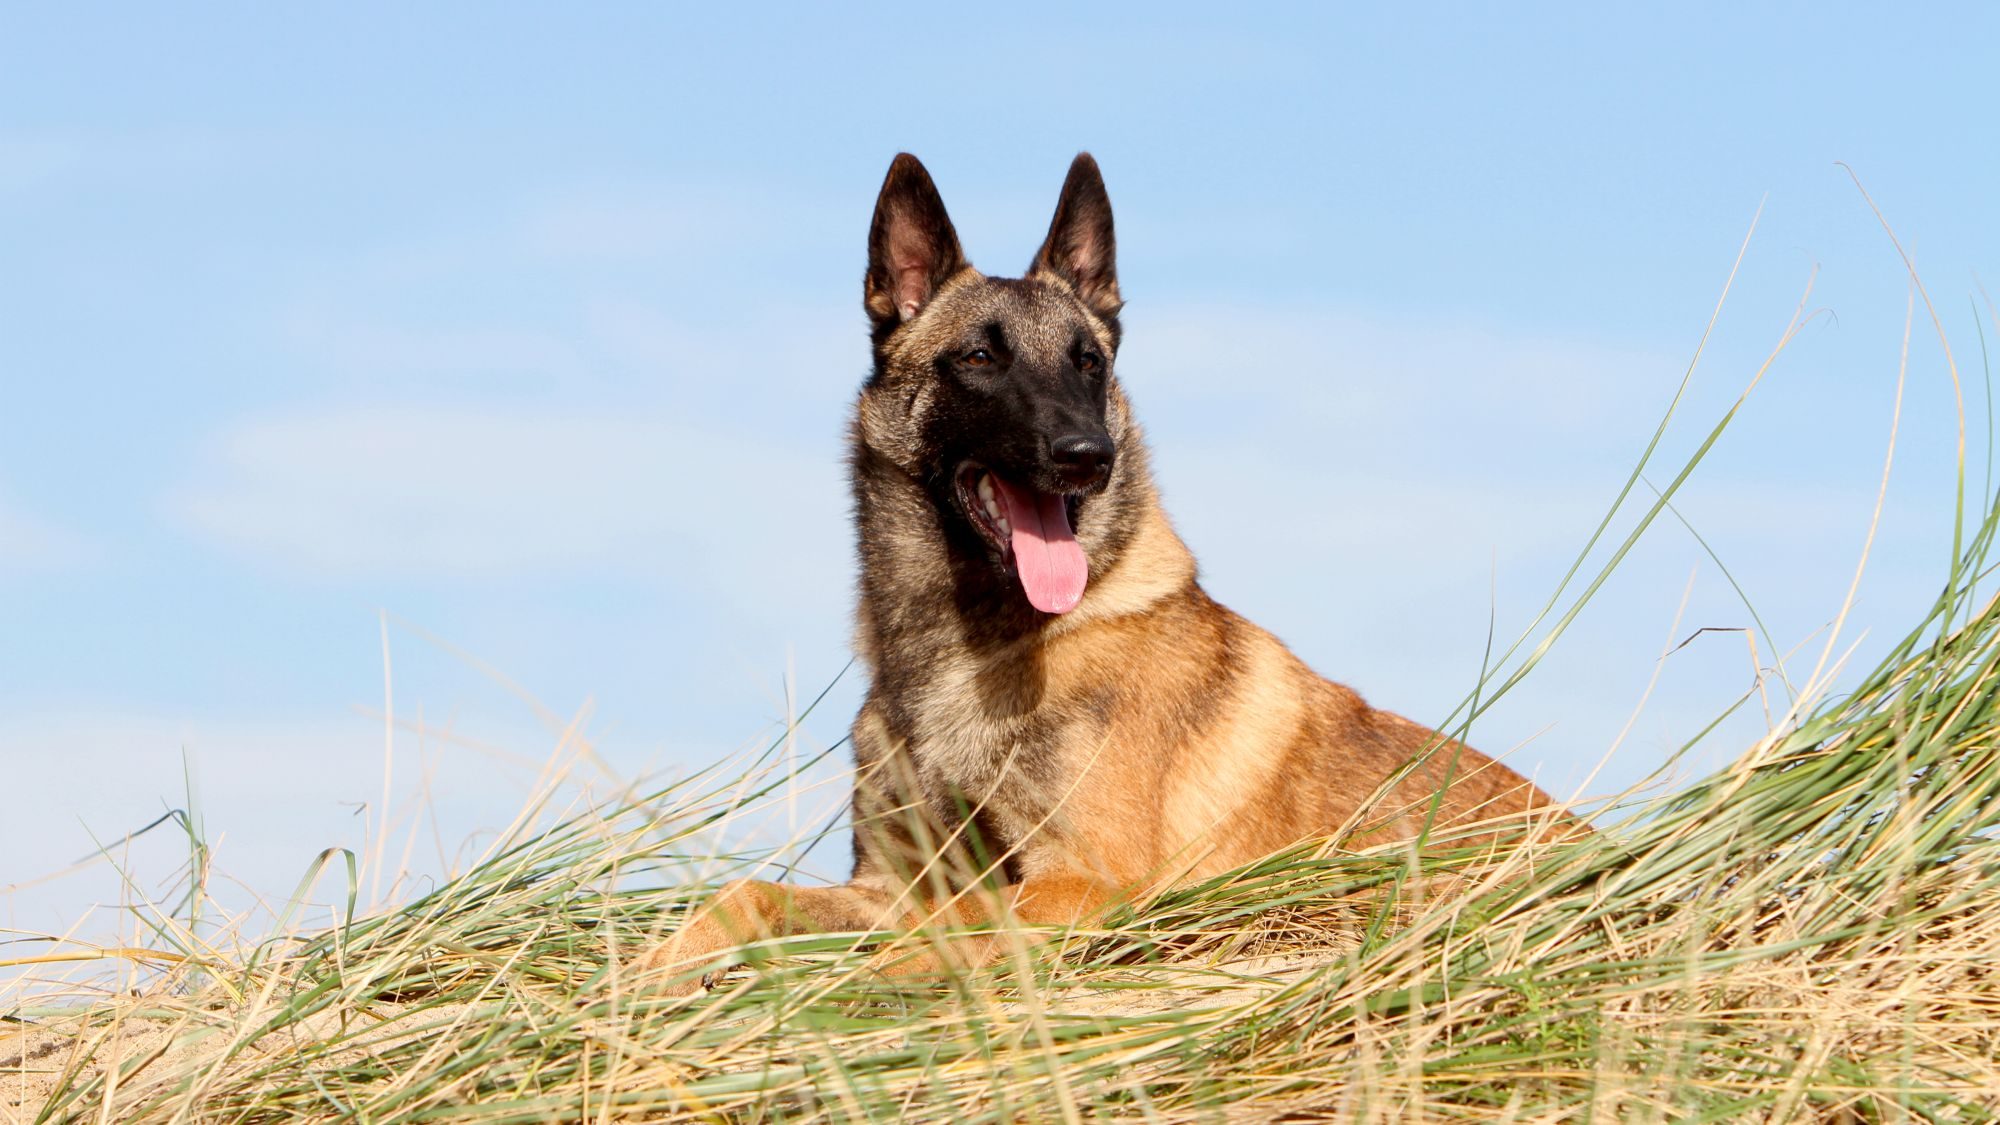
[{"x": 35, "y": 1058}]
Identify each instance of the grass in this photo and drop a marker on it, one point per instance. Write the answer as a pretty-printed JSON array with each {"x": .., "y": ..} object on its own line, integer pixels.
[{"x": 1810, "y": 933}]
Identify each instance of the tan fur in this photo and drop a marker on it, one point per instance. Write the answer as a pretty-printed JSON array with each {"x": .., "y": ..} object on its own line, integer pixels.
[{"x": 1146, "y": 736}]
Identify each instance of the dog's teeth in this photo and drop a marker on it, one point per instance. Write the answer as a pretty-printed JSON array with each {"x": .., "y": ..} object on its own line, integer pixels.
[
  {"x": 992, "y": 508},
  {"x": 1001, "y": 523},
  {"x": 986, "y": 490}
]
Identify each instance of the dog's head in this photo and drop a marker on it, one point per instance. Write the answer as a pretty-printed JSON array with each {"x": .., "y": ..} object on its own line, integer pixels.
[{"x": 997, "y": 393}]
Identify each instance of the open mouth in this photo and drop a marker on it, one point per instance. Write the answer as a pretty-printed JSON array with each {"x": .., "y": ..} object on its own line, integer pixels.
[{"x": 1033, "y": 531}]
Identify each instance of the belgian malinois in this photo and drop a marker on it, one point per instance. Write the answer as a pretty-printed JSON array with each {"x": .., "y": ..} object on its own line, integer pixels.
[{"x": 1058, "y": 717}]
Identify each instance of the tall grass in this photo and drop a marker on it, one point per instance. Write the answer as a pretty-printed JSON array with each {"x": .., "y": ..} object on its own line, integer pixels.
[{"x": 1808, "y": 933}]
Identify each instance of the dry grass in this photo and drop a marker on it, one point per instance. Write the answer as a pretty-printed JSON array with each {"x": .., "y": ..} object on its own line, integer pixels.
[{"x": 1810, "y": 932}]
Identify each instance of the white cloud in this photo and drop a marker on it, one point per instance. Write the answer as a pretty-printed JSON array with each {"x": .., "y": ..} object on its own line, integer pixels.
[
  {"x": 409, "y": 355},
  {"x": 442, "y": 492},
  {"x": 30, "y": 159},
  {"x": 29, "y": 542},
  {"x": 606, "y": 343},
  {"x": 628, "y": 224},
  {"x": 270, "y": 796},
  {"x": 1347, "y": 377},
  {"x": 654, "y": 222}
]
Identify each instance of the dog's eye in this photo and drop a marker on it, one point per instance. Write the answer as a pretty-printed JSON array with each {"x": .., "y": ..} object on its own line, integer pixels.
[
  {"x": 1090, "y": 363},
  {"x": 979, "y": 357}
]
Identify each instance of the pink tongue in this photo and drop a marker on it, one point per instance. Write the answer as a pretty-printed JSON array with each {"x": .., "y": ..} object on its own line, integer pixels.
[{"x": 1046, "y": 555}]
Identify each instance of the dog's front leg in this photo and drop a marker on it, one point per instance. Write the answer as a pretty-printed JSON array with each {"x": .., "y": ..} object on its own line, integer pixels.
[
  {"x": 1050, "y": 900},
  {"x": 748, "y": 910}
]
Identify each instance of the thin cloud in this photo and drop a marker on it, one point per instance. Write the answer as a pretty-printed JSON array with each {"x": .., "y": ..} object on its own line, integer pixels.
[
  {"x": 1360, "y": 377},
  {"x": 272, "y": 795},
  {"x": 651, "y": 223},
  {"x": 29, "y": 542},
  {"x": 41, "y": 159},
  {"x": 444, "y": 492},
  {"x": 376, "y": 350}
]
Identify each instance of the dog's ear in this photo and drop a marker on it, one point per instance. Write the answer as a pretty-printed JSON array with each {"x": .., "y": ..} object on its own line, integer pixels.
[
  {"x": 1080, "y": 248},
  {"x": 912, "y": 248}
]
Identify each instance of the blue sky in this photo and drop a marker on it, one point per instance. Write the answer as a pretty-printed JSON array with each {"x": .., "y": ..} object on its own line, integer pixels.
[{"x": 536, "y": 331}]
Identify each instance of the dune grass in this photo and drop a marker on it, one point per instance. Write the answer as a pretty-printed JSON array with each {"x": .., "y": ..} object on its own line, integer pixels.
[{"x": 1810, "y": 933}]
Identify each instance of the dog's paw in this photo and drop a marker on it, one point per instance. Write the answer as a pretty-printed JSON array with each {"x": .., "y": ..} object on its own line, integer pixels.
[{"x": 687, "y": 963}]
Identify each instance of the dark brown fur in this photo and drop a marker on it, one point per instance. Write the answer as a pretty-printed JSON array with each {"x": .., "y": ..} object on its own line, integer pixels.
[{"x": 1074, "y": 760}]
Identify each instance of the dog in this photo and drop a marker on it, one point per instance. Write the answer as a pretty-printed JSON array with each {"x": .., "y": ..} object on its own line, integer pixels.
[{"x": 1058, "y": 718}]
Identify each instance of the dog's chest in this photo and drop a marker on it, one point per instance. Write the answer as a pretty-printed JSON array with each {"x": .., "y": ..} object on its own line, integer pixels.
[{"x": 977, "y": 729}]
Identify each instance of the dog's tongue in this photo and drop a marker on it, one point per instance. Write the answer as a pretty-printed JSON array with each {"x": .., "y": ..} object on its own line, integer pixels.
[{"x": 1046, "y": 555}]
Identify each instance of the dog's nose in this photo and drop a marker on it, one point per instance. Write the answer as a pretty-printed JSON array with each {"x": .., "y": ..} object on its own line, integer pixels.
[{"x": 1082, "y": 458}]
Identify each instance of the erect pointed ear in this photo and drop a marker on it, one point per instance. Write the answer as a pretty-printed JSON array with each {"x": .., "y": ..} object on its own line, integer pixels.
[
  {"x": 1080, "y": 248},
  {"x": 912, "y": 248}
]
